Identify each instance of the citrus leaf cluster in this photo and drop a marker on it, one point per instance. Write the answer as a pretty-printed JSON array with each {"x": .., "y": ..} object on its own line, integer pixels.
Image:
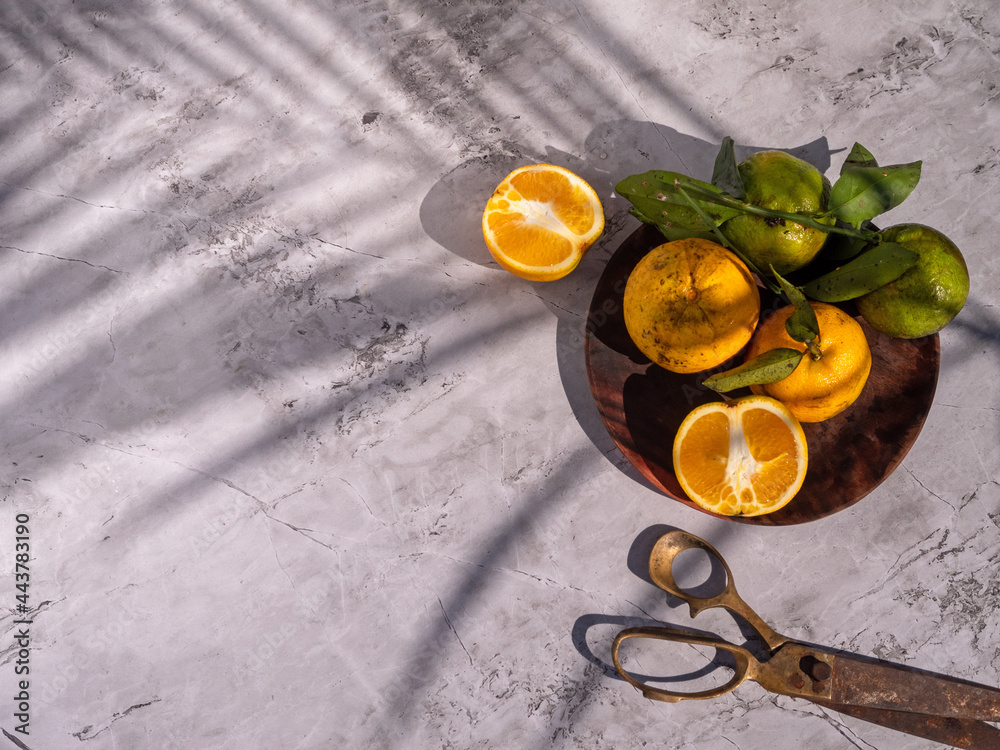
[
  {"x": 683, "y": 206},
  {"x": 865, "y": 190}
]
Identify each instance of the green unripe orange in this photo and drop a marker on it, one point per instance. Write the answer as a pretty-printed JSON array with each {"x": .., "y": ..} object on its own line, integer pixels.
[
  {"x": 927, "y": 296},
  {"x": 781, "y": 182}
]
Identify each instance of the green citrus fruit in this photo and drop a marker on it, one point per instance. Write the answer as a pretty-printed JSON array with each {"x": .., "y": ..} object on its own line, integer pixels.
[
  {"x": 927, "y": 296},
  {"x": 781, "y": 182}
]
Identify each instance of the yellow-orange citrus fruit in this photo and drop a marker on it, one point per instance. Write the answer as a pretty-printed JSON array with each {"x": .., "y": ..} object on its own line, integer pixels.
[
  {"x": 745, "y": 457},
  {"x": 541, "y": 220},
  {"x": 818, "y": 388},
  {"x": 690, "y": 305}
]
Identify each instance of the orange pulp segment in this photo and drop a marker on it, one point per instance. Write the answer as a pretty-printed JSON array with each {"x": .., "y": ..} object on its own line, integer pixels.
[
  {"x": 541, "y": 220},
  {"x": 745, "y": 457}
]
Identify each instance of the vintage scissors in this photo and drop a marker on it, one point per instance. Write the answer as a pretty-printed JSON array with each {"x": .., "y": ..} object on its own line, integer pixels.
[{"x": 924, "y": 704}]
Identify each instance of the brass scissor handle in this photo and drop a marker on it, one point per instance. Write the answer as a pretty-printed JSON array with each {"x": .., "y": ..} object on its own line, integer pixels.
[
  {"x": 661, "y": 561},
  {"x": 746, "y": 664},
  {"x": 795, "y": 669}
]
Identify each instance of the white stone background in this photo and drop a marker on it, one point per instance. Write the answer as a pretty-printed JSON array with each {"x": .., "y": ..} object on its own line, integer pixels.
[{"x": 306, "y": 469}]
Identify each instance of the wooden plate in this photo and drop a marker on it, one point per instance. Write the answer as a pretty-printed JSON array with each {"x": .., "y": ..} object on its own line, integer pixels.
[{"x": 642, "y": 405}]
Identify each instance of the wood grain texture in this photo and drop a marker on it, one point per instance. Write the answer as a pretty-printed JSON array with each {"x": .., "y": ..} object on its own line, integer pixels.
[{"x": 642, "y": 405}]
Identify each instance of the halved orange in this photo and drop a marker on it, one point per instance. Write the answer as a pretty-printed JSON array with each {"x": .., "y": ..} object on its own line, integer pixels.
[
  {"x": 541, "y": 220},
  {"x": 744, "y": 457}
]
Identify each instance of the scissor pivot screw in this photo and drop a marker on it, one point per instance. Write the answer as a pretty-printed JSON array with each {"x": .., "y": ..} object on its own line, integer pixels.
[{"x": 817, "y": 671}]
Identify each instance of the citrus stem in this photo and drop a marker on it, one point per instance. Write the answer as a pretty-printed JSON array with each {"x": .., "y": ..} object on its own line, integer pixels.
[
  {"x": 812, "y": 346},
  {"x": 749, "y": 208},
  {"x": 725, "y": 242}
]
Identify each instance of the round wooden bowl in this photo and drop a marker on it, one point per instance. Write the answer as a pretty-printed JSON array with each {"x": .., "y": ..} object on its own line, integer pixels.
[{"x": 642, "y": 405}]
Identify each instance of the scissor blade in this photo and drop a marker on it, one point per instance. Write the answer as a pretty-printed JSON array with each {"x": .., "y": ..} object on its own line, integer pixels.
[
  {"x": 873, "y": 684},
  {"x": 967, "y": 733}
]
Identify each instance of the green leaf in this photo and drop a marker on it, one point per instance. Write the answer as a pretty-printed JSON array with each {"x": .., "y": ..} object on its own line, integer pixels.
[
  {"x": 726, "y": 174},
  {"x": 866, "y": 273},
  {"x": 802, "y": 324},
  {"x": 768, "y": 367},
  {"x": 672, "y": 231},
  {"x": 863, "y": 192},
  {"x": 656, "y": 200},
  {"x": 859, "y": 157}
]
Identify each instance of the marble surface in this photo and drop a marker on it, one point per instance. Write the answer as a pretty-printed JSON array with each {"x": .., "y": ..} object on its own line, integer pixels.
[{"x": 305, "y": 469}]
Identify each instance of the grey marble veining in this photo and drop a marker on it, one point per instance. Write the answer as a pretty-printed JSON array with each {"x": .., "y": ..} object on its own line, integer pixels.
[{"x": 306, "y": 469}]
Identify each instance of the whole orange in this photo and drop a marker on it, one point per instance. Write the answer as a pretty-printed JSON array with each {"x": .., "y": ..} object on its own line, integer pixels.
[
  {"x": 827, "y": 380},
  {"x": 690, "y": 305}
]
